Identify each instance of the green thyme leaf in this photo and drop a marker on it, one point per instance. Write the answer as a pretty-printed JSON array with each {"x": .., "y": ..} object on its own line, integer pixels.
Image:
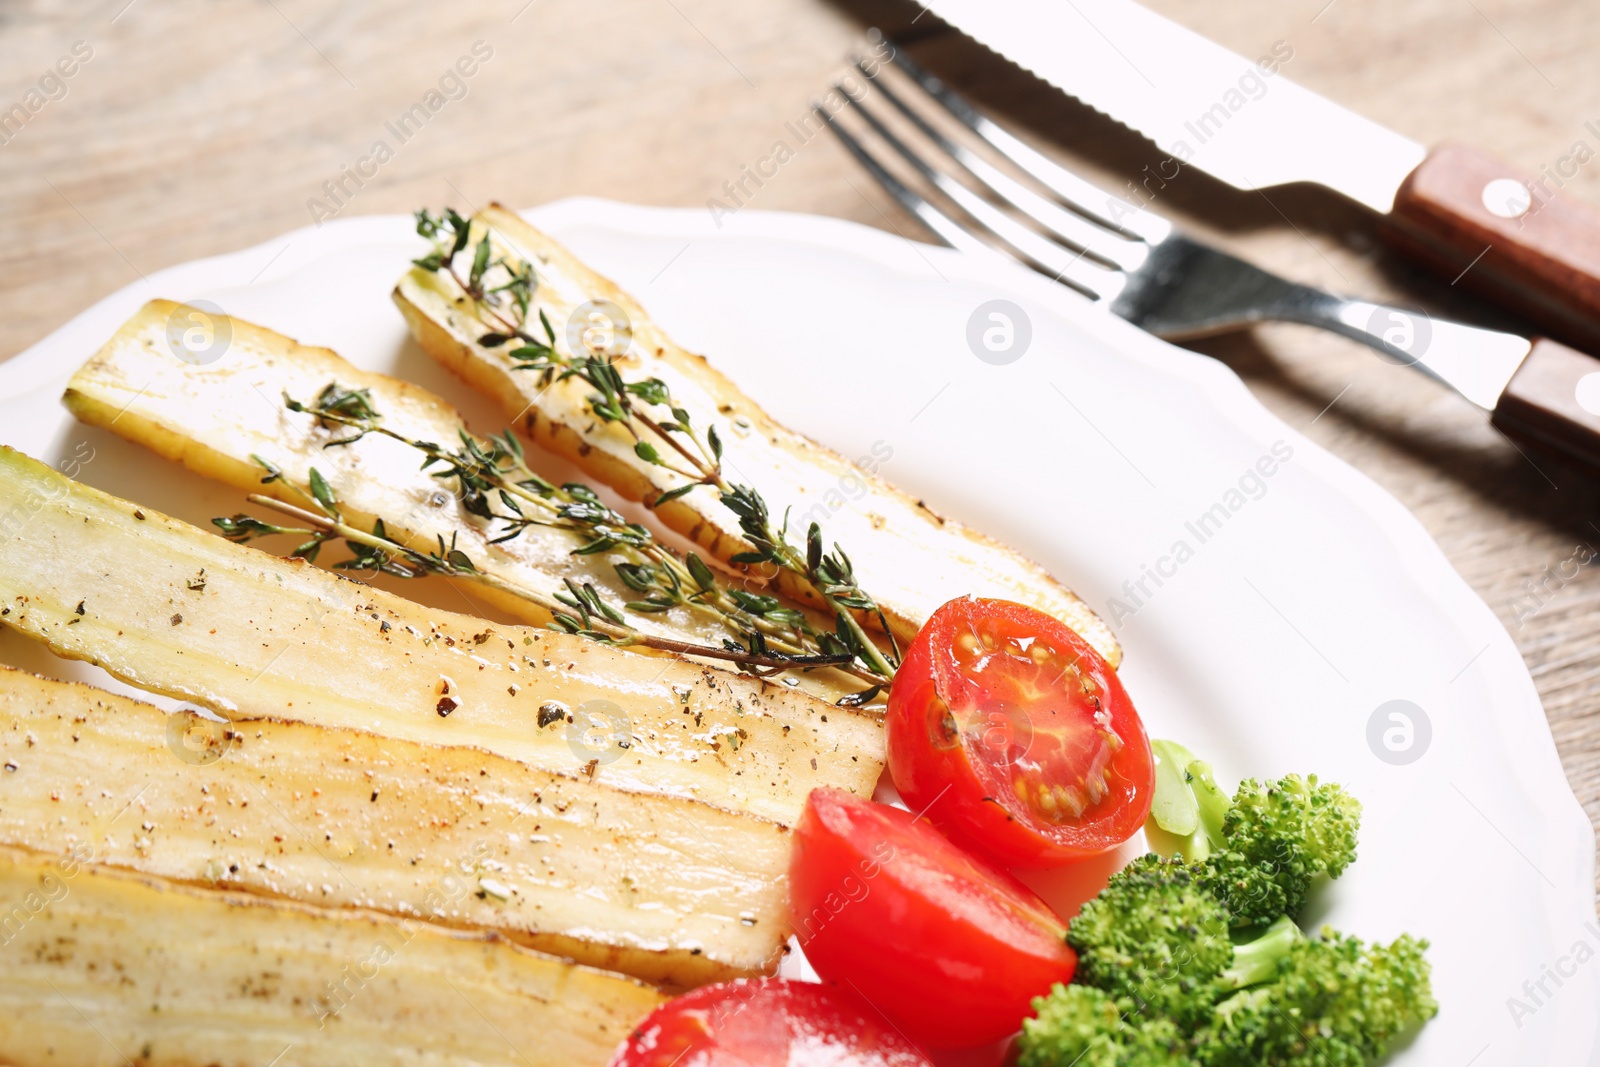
[
  {"x": 480, "y": 262},
  {"x": 700, "y": 572},
  {"x": 323, "y": 492},
  {"x": 673, "y": 494}
]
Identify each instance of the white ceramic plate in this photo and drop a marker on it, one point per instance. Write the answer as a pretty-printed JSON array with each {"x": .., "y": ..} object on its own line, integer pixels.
[{"x": 1312, "y": 600}]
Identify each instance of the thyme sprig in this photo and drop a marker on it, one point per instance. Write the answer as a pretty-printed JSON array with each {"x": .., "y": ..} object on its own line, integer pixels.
[
  {"x": 492, "y": 479},
  {"x": 501, "y": 289},
  {"x": 579, "y": 610}
]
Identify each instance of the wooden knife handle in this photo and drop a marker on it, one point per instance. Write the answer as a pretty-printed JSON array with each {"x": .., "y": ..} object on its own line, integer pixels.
[
  {"x": 1553, "y": 401},
  {"x": 1518, "y": 240}
]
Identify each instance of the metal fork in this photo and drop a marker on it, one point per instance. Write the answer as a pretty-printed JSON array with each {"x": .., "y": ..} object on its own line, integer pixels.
[{"x": 1125, "y": 259}]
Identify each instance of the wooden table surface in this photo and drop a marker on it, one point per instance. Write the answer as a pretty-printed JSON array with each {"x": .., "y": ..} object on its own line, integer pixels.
[{"x": 197, "y": 127}]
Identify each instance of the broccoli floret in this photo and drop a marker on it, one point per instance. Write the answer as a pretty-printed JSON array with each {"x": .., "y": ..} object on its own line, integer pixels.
[
  {"x": 1156, "y": 940},
  {"x": 1161, "y": 981},
  {"x": 1321, "y": 817},
  {"x": 1154, "y": 937},
  {"x": 1334, "y": 1002},
  {"x": 1078, "y": 1026},
  {"x": 1276, "y": 839},
  {"x": 1282, "y": 1001}
]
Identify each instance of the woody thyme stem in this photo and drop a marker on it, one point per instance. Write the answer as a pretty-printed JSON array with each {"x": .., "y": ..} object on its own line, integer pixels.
[{"x": 618, "y": 634}]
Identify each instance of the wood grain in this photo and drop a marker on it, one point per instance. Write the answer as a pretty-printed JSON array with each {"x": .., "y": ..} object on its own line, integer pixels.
[{"x": 203, "y": 127}]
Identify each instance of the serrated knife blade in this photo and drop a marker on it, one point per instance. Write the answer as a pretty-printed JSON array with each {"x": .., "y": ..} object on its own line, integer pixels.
[
  {"x": 1238, "y": 119},
  {"x": 1243, "y": 121}
]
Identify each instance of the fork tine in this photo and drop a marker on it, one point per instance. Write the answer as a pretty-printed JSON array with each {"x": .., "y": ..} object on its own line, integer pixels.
[
  {"x": 1079, "y": 195},
  {"x": 948, "y": 230},
  {"x": 1113, "y": 247},
  {"x": 1048, "y": 257}
]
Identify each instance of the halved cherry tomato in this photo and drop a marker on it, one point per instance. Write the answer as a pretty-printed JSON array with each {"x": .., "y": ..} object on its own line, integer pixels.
[
  {"x": 766, "y": 1022},
  {"x": 1016, "y": 737},
  {"x": 948, "y": 947}
]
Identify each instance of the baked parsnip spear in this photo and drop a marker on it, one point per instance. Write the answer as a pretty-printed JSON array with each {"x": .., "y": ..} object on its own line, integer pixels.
[
  {"x": 668, "y": 890},
  {"x": 100, "y": 968},
  {"x": 272, "y": 416},
  {"x": 585, "y": 373},
  {"x": 172, "y": 609}
]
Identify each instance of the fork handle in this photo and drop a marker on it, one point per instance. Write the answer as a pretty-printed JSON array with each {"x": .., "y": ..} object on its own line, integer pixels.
[
  {"x": 1514, "y": 239},
  {"x": 1539, "y": 392}
]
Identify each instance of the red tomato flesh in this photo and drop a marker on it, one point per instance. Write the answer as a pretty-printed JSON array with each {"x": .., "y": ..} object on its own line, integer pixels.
[
  {"x": 1015, "y": 736},
  {"x": 949, "y": 948},
  {"x": 766, "y": 1022}
]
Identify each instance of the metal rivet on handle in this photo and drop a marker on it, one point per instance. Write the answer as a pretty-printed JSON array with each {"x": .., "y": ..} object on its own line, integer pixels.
[
  {"x": 1587, "y": 392},
  {"x": 1507, "y": 197}
]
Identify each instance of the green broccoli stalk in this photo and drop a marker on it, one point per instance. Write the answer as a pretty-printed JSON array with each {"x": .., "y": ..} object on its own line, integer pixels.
[
  {"x": 1334, "y": 1001},
  {"x": 1080, "y": 1026},
  {"x": 1209, "y": 796},
  {"x": 1187, "y": 811},
  {"x": 1257, "y": 961}
]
